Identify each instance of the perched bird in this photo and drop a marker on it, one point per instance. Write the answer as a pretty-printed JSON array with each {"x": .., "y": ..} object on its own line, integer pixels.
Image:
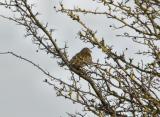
[{"x": 82, "y": 58}]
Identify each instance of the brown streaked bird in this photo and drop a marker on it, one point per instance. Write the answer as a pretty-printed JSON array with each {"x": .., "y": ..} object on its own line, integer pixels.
[{"x": 82, "y": 58}]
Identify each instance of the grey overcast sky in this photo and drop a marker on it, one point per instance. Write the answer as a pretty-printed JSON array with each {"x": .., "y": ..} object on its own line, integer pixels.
[{"x": 22, "y": 90}]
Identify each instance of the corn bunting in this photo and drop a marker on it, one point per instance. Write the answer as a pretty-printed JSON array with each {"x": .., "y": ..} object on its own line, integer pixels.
[{"x": 82, "y": 58}]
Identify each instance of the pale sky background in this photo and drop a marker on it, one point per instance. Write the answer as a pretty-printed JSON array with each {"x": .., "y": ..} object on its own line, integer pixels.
[{"x": 22, "y": 90}]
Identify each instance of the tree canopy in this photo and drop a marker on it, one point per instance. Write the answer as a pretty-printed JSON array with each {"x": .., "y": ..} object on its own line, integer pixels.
[{"x": 116, "y": 86}]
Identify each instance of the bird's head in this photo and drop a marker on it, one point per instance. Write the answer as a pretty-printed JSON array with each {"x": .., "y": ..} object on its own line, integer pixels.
[{"x": 86, "y": 50}]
